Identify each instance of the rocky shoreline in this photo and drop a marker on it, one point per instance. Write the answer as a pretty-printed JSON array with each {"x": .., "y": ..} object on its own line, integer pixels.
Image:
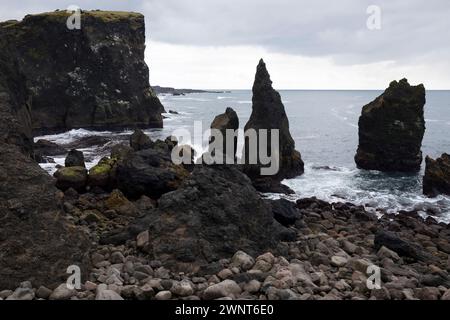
[{"x": 328, "y": 259}]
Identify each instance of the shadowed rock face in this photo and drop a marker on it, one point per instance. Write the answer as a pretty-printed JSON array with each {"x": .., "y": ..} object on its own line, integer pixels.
[
  {"x": 391, "y": 129},
  {"x": 437, "y": 176},
  {"x": 36, "y": 242},
  {"x": 94, "y": 77},
  {"x": 223, "y": 122},
  {"x": 268, "y": 113}
]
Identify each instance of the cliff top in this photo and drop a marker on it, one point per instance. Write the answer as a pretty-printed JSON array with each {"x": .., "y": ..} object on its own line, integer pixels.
[{"x": 105, "y": 16}]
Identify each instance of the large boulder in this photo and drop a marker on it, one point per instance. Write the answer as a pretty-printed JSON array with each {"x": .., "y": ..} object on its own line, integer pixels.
[
  {"x": 268, "y": 113},
  {"x": 140, "y": 141},
  {"x": 75, "y": 158},
  {"x": 437, "y": 176},
  {"x": 104, "y": 174},
  {"x": 92, "y": 77},
  {"x": 223, "y": 122},
  {"x": 391, "y": 129},
  {"x": 71, "y": 177},
  {"x": 47, "y": 148},
  {"x": 215, "y": 213},
  {"x": 149, "y": 172}
]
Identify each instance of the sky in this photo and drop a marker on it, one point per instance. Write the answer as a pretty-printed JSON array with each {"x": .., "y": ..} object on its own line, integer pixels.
[{"x": 315, "y": 44}]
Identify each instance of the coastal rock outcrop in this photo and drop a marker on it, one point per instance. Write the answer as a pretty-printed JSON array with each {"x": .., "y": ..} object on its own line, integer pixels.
[
  {"x": 391, "y": 129},
  {"x": 214, "y": 213},
  {"x": 437, "y": 176},
  {"x": 92, "y": 77},
  {"x": 268, "y": 113},
  {"x": 223, "y": 122}
]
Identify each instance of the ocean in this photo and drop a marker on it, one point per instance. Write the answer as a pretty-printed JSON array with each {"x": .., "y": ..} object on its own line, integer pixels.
[{"x": 324, "y": 125}]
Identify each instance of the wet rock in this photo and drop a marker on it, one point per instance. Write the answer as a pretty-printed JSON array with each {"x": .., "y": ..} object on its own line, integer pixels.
[
  {"x": 75, "y": 158},
  {"x": 140, "y": 141},
  {"x": 437, "y": 176},
  {"x": 391, "y": 129},
  {"x": 47, "y": 148},
  {"x": 268, "y": 113},
  {"x": 71, "y": 177}
]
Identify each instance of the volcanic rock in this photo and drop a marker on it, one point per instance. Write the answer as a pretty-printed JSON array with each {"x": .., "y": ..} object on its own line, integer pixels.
[
  {"x": 437, "y": 176},
  {"x": 75, "y": 158},
  {"x": 391, "y": 129},
  {"x": 47, "y": 148},
  {"x": 140, "y": 141},
  {"x": 223, "y": 122},
  {"x": 71, "y": 177},
  {"x": 268, "y": 113},
  {"x": 92, "y": 77}
]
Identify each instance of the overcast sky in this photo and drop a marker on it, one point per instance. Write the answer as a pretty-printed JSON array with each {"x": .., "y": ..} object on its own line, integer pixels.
[{"x": 313, "y": 44}]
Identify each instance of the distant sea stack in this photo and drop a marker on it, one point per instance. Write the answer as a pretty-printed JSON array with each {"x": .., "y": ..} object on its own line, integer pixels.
[
  {"x": 268, "y": 113},
  {"x": 437, "y": 176},
  {"x": 92, "y": 77},
  {"x": 391, "y": 129}
]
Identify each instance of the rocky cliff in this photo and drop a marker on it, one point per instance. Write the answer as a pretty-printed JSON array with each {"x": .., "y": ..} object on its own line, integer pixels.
[
  {"x": 391, "y": 129},
  {"x": 94, "y": 77}
]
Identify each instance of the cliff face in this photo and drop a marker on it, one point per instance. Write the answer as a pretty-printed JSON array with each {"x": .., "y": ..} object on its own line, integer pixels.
[
  {"x": 94, "y": 77},
  {"x": 391, "y": 129}
]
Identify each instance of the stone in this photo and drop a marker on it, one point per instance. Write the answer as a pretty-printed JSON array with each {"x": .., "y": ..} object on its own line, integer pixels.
[
  {"x": 403, "y": 248},
  {"x": 285, "y": 212},
  {"x": 253, "y": 286},
  {"x": 108, "y": 295},
  {"x": 142, "y": 239},
  {"x": 103, "y": 175},
  {"x": 225, "y": 274},
  {"x": 98, "y": 82},
  {"x": 117, "y": 257},
  {"x": 140, "y": 141},
  {"x": 242, "y": 260},
  {"x": 386, "y": 253},
  {"x": 437, "y": 176},
  {"x": 163, "y": 295},
  {"x": 71, "y": 177},
  {"x": 43, "y": 292},
  {"x": 182, "y": 288},
  {"x": 446, "y": 295},
  {"x": 62, "y": 293},
  {"x": 338, "y": 261},
  {"x": 44, "y": 147},
  {"x": 22, "y": 294},
  {"x": 75, "y": 158},
  {"x": 226, "y": 288},
  {"x": 268, "y": 113},
  {"x": 391, "y": 129}
]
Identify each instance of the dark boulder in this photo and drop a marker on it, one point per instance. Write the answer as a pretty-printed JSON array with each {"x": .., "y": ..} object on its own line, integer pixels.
[
  {"x": 285, "y": 212},
  {"x": 391, "y": 129},
  {"x": 120, "y": 151},
  {"x": 140, "y": 141},
  {"x": 104, "y": 174},
  {"x": 71, "y": 177},
  {"x": 223, "y": 122},
  {"x": 268, "y": 113},
  {"x": 215, "y": 213},
  {"x": 437, "y": 176},
  {"x": 98, "y": 80},
  {"x": 402, "y": 247},
  {"x": 75, "y": 158},
  {"x": 149, "y": 172},
  {"x": 87, "y": 142}
]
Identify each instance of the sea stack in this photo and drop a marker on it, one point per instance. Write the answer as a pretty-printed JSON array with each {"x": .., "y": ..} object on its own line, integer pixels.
[
  {"x": 93, "y": 77},
  {"x": 437, "y": 176},
  {"x": 268, "y": 113},
  {"x": 391, "y": 129},
  {"x": 223, "y": 122}
]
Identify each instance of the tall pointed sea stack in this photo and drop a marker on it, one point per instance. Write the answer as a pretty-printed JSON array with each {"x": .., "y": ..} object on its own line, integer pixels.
[
  {"x": 391, "y": 129},
  {"x": 268, "y": 113}
]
